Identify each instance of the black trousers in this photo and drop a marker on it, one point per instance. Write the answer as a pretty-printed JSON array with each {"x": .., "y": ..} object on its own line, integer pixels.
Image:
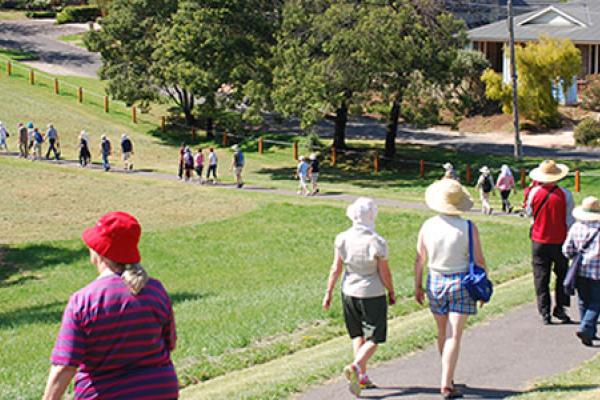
[
  {"x": 52, "y": 148},
  {"x": 544, "y": 257}
]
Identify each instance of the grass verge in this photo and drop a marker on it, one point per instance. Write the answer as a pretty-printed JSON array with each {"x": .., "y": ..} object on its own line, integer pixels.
[
  {"x": 294, "y": 373},
  {"x": 582, "y": 383}
]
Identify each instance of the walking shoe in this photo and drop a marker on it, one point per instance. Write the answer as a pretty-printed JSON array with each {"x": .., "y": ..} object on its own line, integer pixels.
[
  {"x": 451, "y": 393},
  {"x": 351, "y": 373},
  {"x": 560, "y": 314},
  {"x": 546, "y": 320},
  {"x": 584, "y": 339},
  {"x": 366, "y": 383}
]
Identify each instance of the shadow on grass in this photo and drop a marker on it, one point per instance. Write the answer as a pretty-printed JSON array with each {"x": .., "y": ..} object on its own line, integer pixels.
[
  {"x": 31, "y": 258},
  {"x": 46, "y": 313},
  {"x": 182, "y": 297}
]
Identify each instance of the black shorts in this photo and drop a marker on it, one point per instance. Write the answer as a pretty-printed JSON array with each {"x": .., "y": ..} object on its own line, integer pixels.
[{"x": 366, "y": 317}]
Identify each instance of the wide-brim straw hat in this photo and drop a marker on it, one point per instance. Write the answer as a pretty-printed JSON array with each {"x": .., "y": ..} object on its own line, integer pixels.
[
  {"x": 449, "y": 197},
  {"x": 589, "y": 210},
  {"x": 549, "y": 171},
  {"x": 235, "y": 147}
]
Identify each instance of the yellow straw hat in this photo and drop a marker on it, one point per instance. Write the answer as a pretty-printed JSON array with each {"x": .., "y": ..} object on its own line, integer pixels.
[
  {"x": 589, "y": 210},
  {"x": 449, "y": 197},
  {"x": 549, "y": 171}
]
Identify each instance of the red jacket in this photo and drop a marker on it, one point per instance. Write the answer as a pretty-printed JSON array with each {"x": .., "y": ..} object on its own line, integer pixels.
[{"x": 554, "y": 217}]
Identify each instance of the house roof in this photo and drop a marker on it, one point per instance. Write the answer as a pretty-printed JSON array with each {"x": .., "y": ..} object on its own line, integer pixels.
[{"x": 578, "y": 21}]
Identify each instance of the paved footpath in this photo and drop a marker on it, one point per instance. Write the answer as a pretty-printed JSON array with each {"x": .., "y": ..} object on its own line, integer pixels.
[{"x": 498, "y": 359}]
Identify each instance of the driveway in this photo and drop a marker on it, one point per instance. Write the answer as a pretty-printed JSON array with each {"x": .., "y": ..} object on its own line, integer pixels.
[{"x": 54, "y": 56}]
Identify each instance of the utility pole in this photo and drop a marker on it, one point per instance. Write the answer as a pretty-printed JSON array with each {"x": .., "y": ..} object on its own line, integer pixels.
[{"x": 513, "y": 73}]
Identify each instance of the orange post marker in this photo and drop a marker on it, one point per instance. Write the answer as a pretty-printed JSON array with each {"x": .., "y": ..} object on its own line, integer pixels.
[
  {"x": 56, "y": 87},
  {"x": 260, "y": 145},
  {"x": 225, "y": 139},
  {"x": 577, "y": 181},
  {"x": 134, "y": 114},
  {"x": 295, "y": 147},
  {"x": 333, "y": 156},
  {"x": 422, "y": 169},
  {"x": 193, "y": 134},
  {"x": 106, "y": 106},
  {"x": 8, "y": 68},
  {"x": 80, "y": 95},
  {"x": 523, "y": 178},
  {"x": 32, "y": 77},
  {"x": 163, "y": 123},
  {"x": 469, "y": 173},
  {"x": 376, "y": 162}
]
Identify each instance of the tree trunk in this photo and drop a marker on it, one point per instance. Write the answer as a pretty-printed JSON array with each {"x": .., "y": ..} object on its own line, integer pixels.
[
  {"x": 210, "y": 130},
  {"x": 339, "y": 135},
  {"x": 392, "y": 130}
]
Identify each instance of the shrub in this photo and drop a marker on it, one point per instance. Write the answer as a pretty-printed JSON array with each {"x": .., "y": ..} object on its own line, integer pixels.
[
  {"x": 40, "y": 14},
  {"x": 71, "y": 14},
  {"x": 590, "y": 96},
  {"x": 588, "y": 132}
]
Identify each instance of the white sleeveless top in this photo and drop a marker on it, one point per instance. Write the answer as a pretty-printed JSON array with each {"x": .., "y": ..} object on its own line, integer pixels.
[{"x": 446, "y": 239}]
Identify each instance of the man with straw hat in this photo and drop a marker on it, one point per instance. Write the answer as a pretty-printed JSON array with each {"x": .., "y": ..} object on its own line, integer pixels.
[
  {"x": 550, "y": 206},
  {"x": 485, "y": 185},
  {"x": 584, "y": 239}
]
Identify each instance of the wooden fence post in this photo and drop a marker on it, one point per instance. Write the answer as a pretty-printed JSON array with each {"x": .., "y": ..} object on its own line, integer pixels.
[
  {"x": 56, "y": 87},
  {"x": 225, "y": 139},
  {"x": 193, "y": 135},
  {"x": 422, "y": 169},
  {"x": 333, "y": 156},
  {"x": 80, "y": 95},
  {"x": 260, "y": 145},
  {"x": 32, "y": 77},
  {"x": 469, "y": 174},
  {"x": 295, "y": 151},
  {"x": 523, "y": 178},
  {"x": 163, "y": 123},
  {"x": 8, "y": 68},
  {"x": 376, "y": 162},
  {"x": 577, "y": 181},
  {"x": 134, "y": 114}
]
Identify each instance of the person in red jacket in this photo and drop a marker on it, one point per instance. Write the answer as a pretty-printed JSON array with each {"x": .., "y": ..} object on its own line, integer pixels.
[{"x": 551, "y": 208}]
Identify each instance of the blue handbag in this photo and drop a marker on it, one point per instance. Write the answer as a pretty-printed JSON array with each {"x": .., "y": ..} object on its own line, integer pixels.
[
  {"x": 571, "y": 277},
  {"x": 476, "y": 282}
]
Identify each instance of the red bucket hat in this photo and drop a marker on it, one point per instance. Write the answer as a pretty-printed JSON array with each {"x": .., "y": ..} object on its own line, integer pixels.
[{"x": 115, "y": 236}]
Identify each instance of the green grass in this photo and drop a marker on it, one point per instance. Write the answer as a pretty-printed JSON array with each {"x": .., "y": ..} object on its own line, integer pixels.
[
  {"x": 246, "y": 290},
  {"x": 582, "y": 383},
  {"x": 12, "y": 15},
  {"x": 75, "y": 39}
]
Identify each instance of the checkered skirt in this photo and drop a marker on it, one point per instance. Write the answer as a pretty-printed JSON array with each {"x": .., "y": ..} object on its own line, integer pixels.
[{"x": 447, "y": 294}]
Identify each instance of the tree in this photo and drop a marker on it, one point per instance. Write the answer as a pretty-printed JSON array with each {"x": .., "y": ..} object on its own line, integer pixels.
[
  {"x": 402, "y": 37},
  {"x": 319, "y": 68},
  {"x": 210, "y": 50},
  {"x": 541, "y": 65}
]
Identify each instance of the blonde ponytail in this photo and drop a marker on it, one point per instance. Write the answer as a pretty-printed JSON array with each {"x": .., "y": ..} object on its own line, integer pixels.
[{"x": 135, "y": 276}]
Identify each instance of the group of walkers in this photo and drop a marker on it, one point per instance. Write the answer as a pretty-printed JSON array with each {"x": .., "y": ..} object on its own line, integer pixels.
[
  {"x": 31, "y": 141},
  {"x": 189, "y": 162},
  {"x": 486, "y": 186},
  {"x": 449, "y": 244},
  {"x": 106, "y": 151},
  {"x": 308, "y": 172}
]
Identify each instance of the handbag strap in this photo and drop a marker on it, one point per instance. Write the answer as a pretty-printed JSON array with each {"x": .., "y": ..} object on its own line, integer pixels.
[
  {"x": 589, "y": 241},
  {"x": 535, "y": 215},
  {"x": 471, "y": 257}
]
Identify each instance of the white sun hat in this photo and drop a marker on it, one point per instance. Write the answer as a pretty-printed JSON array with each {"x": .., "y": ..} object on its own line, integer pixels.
[
  {"x": 313, "y": 156},
  {"x": 549, "y": 171},
  {"x": 485, "y": 170},
  {"x": 449, "y": 197},
  {"x": 589, "y": 210}
]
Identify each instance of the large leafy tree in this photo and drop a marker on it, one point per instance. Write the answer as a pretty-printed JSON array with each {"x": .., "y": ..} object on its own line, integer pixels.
[
  {"x": 541, "y": 65},
  {"x": 319, "y": 70},
  {"x": 404, "y": 36},
  {"x": 200, "y": 53}
]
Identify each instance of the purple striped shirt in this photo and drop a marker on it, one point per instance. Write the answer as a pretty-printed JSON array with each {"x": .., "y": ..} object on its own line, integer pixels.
[{"x": 120, "y": 343}]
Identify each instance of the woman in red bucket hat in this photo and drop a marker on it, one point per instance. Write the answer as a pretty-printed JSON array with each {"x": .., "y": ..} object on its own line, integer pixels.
[{"x": 118, "y": 332}]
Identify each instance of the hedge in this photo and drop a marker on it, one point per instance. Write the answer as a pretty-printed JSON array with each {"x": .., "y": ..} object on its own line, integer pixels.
[
  {"x": 73, "y": 14},
  {"x": 40, "y": 14}
]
